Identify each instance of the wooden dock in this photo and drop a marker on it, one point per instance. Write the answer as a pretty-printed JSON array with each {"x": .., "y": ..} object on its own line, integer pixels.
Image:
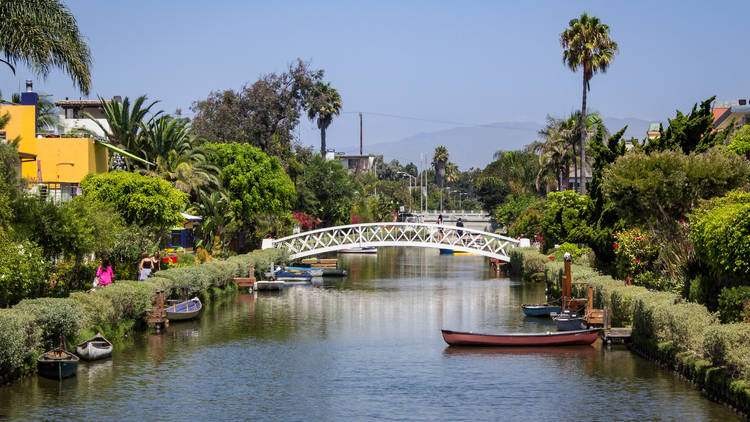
[
  {"x": 269, "y": 285},
  {"x": 616, "y": 335}
]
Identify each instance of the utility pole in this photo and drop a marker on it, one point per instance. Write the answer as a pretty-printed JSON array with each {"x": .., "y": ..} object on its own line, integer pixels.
[{"x": 360, "y": 133}]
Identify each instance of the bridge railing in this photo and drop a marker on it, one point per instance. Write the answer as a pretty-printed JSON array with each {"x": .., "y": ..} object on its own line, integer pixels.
[{"x": 394, "y": 234}]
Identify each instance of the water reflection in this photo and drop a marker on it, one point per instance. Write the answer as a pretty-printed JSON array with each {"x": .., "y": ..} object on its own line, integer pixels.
[{"x": 365, "y": 347}]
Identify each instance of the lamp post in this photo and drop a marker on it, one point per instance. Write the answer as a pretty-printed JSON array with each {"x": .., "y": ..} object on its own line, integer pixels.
[{"x": 415, "y": 183}]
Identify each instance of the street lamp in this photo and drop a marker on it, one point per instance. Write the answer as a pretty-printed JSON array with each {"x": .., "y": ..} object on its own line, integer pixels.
[{"x": 415, "y": 183}]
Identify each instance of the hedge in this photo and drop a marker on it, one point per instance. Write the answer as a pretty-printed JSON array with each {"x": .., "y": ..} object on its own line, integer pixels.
[
  {"x": 682, "y": 335},
  {"x": 34, "y": 325}
]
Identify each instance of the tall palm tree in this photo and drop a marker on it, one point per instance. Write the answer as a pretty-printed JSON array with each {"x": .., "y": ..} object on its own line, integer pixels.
[
  {"x": 43, "y": 34},
  {"x": 217, "y": 219},
  {"x": 439, "y": 160},
  {"x": 325, "y": 103},
  {"x": 586, "y": 44},
  {"x": 125, "y": 124}
]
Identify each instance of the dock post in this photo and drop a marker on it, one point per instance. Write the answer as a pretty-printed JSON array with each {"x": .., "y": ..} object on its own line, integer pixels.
[{"x": 566, "y": 293}]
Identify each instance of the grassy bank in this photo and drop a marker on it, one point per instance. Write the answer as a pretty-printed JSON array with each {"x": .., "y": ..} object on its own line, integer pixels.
[
  {"x": 681, "y": 336},
  {"x": 33, "y": 325}
]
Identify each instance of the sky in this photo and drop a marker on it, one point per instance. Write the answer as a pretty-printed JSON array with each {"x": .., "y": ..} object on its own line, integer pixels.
[{"x": 413, "y": 66}]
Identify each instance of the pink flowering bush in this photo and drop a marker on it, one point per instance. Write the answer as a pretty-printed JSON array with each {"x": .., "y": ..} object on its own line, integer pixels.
[{"x": 636, "y": 252}]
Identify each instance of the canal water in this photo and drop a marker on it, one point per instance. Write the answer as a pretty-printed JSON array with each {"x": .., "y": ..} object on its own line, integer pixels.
[{"x": 364, "y": 348}]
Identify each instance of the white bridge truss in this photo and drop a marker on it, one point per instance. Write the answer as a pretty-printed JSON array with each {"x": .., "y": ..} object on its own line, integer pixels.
[{"x": 417, "y": 235}]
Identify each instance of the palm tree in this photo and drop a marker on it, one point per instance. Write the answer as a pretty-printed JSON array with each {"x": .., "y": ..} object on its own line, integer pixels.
[
  {"x": 125, "y": 124},
  {"x": 217, "y": 218},
  {"x": 439, "y": 160},
  {"x": 324, "y": 104},
  {"x": 586, "y": 44},
  {"x": 168, "y": 143},
  {"x": 43, "y": 34}
]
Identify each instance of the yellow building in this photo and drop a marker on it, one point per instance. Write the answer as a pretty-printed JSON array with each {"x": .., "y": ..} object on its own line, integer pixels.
[{"x": 54, "y": 164}]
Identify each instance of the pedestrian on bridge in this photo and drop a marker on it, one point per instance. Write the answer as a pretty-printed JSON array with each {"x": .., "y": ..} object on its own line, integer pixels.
[{"x": 440, "y": 223}]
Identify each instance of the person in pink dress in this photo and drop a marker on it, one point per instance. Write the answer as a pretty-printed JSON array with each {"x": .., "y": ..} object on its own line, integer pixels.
[{"x": 104, "y": 273}]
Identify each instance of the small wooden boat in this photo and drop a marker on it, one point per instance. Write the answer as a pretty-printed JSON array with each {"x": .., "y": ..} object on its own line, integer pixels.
[
  {"x": 95, "y": 348},
  {"x": 564, "y": 338},
  {"x": 540, "y": 309},
  {"x": 569, "y": 321},
  {"x": 365, "y": 250},
  {"x": 188, "y": 309},
  {"x": 57, "y": 364},
  {"x": 282, "y": 275}
]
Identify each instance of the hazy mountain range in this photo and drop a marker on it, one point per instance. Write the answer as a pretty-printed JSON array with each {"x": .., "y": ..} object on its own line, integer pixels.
[{"x": 474, "y": 146}]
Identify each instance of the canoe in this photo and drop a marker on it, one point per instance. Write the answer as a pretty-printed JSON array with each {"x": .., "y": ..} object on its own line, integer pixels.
[
  {"x": 57, "y": 364},
  {"x": 540, "y": 309},
  {"x": 569, "y": 321},
  {"x": 282, "y": 275},
  {"x": 465, "y": 253},
  {"x": 563, "y": 338},
  {"x": 367, "y": 250},
  {"x": 95, "y": 348},
  {"x": 188, "y": 309}
]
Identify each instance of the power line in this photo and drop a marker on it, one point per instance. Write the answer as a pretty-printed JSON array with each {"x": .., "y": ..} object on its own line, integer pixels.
[{"x": 448, "y": 122}]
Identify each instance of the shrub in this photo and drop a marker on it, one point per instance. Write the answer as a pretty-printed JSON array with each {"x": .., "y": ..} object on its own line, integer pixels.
[
  {"x": 534, "y": 264},
  {"x": 54, "y": 316},
  {"x": 732, "y": 303},
  {"x": 574, "y": 251},
  {"x": 721, "y": 233},
  {"x": 23, "y": 271},
  {"x": 635, "y": 252},
  {"x": 19, "y": 342},
  {"x": 728, "y": 345}
]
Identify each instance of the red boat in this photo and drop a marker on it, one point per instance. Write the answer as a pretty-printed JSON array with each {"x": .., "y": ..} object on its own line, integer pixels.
[{"x": 562, "y": 338}]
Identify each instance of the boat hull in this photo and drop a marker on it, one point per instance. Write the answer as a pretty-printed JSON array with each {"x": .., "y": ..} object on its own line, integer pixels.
[
  {"x": 446, "y": 251},
  {"x": 184, "y": 311},
  {"x": 541, "y": 310},
  {"x": 94, "y": 349},
  {"x": 334, "y": 273},
  {"x": 57, "y": 368},
  {"x": 566, "y": 338},
  {"x": 315, "y": 272}
]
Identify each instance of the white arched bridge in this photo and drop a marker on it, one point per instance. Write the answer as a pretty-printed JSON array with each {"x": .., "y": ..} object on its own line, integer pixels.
[{"x": 417, "y": 235}]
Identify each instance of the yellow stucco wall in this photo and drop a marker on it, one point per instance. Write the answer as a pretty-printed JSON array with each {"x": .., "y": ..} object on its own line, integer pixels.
[
  {"x": 21, "y": 124},
  {"x": 68, "y": 160}
]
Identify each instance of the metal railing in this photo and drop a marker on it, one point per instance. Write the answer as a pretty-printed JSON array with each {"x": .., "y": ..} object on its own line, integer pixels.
[{"x": 394, "y": 234}]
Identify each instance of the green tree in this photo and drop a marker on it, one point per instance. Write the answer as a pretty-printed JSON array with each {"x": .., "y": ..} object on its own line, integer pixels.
[
  {"x": 324, "y": 103},
  {"x": 604, "y": 218},
  {"x": 586, "y": 44},
  {"x": 331, "y": 191},
  {"x": 512, "y": 174},
  {"x": 689, "y": 133},
  {"x": 565, "y": 218},
  {"x": 140, "y": 200},
  {"x": 126, "y": 125},
  {"x": 660, "y": 188},
  {"x": 255, "y": 182},
  {"x": 263, "y": 114},
  {"x": 741, "y": 142},
  {"x": 43, "y": 34}
]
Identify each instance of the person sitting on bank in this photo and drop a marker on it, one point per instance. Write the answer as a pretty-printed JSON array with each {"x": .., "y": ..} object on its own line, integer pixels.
[
  {"x": 157, "y": 262},
  {"x": 145, "y": 267},
  {"x": 104, "y": 274}
]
